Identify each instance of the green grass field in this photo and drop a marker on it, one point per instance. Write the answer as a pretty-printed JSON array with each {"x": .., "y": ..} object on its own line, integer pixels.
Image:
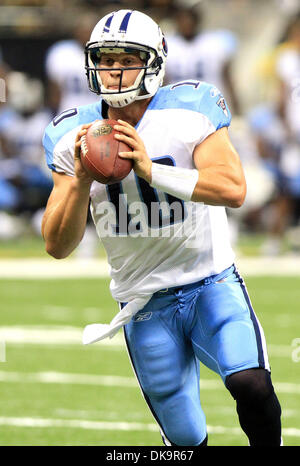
[{"x": 55, "y": 391}]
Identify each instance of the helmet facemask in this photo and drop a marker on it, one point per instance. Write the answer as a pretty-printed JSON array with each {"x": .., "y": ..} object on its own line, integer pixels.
[{"x": 122, "y": 96}]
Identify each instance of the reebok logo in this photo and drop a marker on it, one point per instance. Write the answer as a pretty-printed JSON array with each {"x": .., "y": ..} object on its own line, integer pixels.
[{"x": 141, "y": 316}]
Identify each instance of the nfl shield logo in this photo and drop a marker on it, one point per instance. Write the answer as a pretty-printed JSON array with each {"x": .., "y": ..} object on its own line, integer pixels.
[{"x": 222, "y": 105}]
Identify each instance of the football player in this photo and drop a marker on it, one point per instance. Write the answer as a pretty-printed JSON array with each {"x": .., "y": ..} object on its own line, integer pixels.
[
  {"x": 206, "y": 55},
  {"x": 182, "y": 299},
  {"x": 66, "y": 85}
]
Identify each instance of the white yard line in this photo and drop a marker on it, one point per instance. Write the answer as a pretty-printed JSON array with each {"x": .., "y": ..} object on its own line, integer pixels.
[
  {"x": 52, "y": 335},
  {"x": 76, "y": 423},
  {"x": 64, "y": 378},
  {"x": 269, "y": 266},
  {"x": 114, "y": 381},
  {"x": 85, "y": 379},
  {"x": 122, "y": 426},
  {"x": 68, "y": 335},
  {"x": 46, "y": 268}
]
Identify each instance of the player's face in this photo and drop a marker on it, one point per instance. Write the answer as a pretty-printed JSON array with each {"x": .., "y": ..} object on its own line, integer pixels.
[{"x": 112, "y": 62}]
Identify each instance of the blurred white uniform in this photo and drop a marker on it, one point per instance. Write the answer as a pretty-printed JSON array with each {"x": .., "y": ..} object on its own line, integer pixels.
[
  {"x": 65, "y": 65},
  {"x": 288, "y": 70},
  {"x": 202, "y": 58}
]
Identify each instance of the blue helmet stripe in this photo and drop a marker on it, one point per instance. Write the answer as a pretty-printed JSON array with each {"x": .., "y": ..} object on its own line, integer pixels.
[
  {"x": 124, "y": 24},
  {"x": 108, "y": 23}
]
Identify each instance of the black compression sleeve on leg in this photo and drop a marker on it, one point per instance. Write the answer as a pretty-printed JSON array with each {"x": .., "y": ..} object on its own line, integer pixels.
[{"x": 258, "y": 408}]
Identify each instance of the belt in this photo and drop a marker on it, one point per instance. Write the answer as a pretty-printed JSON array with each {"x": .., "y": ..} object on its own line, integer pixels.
[
  {"x": 174, "y": 289},
  {"x": 203, "y": 282}
]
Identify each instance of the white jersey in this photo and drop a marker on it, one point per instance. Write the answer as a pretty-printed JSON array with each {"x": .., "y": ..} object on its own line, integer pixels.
[
  {"x": 153, "y": 240},
  {"x": 288, "y": 69},
  {"x": 24, "y": 133},
  {"x": 201, "y": 58},
  {"x": 65, "y": 65}
]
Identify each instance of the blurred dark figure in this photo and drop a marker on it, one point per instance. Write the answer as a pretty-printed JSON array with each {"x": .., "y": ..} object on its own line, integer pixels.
[{"x": 159, "y": 9}]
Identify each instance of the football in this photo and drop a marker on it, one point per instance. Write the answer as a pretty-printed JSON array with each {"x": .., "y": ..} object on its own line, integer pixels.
[{"x": 100, "y": 153}]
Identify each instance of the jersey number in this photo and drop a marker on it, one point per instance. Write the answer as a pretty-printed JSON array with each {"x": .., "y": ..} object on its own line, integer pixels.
[
  {"x": 66, "y": 114},
  {"x": 156, "y": 216},
  {"x": 194, "y": 84}
]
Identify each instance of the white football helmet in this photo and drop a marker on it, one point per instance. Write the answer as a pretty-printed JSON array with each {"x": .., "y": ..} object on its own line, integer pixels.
[{"x": 129, "y": 31}]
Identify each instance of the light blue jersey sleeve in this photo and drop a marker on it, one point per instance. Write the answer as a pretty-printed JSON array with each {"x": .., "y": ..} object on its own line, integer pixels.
[
  {"x": 66, "y": 122},
  {"x": 196, "y": 96}
]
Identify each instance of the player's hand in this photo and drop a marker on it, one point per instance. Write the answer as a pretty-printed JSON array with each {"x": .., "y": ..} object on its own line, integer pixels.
[
  {"x": 142, "y": 164},
  {"x": 80, "y": 172}
]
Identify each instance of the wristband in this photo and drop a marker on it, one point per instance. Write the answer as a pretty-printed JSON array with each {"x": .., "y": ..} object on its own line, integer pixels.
[{"x": 179, "y": 182}]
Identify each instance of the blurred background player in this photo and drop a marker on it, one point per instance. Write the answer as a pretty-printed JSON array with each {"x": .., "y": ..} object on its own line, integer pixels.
[
  {"x": 64, "y": 65},
  {"x": 288, "y": 73},
  {"x": 205, "y": 55},
  {"x": 9, "y": 197},
  {"x": 275, "y": 126},
  {"x": 22, "y": 122}
]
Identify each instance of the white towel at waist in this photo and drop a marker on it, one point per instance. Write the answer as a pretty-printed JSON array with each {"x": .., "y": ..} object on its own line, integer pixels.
[{"x": 97, "y": 332}]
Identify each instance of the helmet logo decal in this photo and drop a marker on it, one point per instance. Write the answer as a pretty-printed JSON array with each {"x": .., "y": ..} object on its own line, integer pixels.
[
  {"x": 164, "y": 47},
  {"x": 108, "y": 22},
  {"x": 124, "y": 24}
]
